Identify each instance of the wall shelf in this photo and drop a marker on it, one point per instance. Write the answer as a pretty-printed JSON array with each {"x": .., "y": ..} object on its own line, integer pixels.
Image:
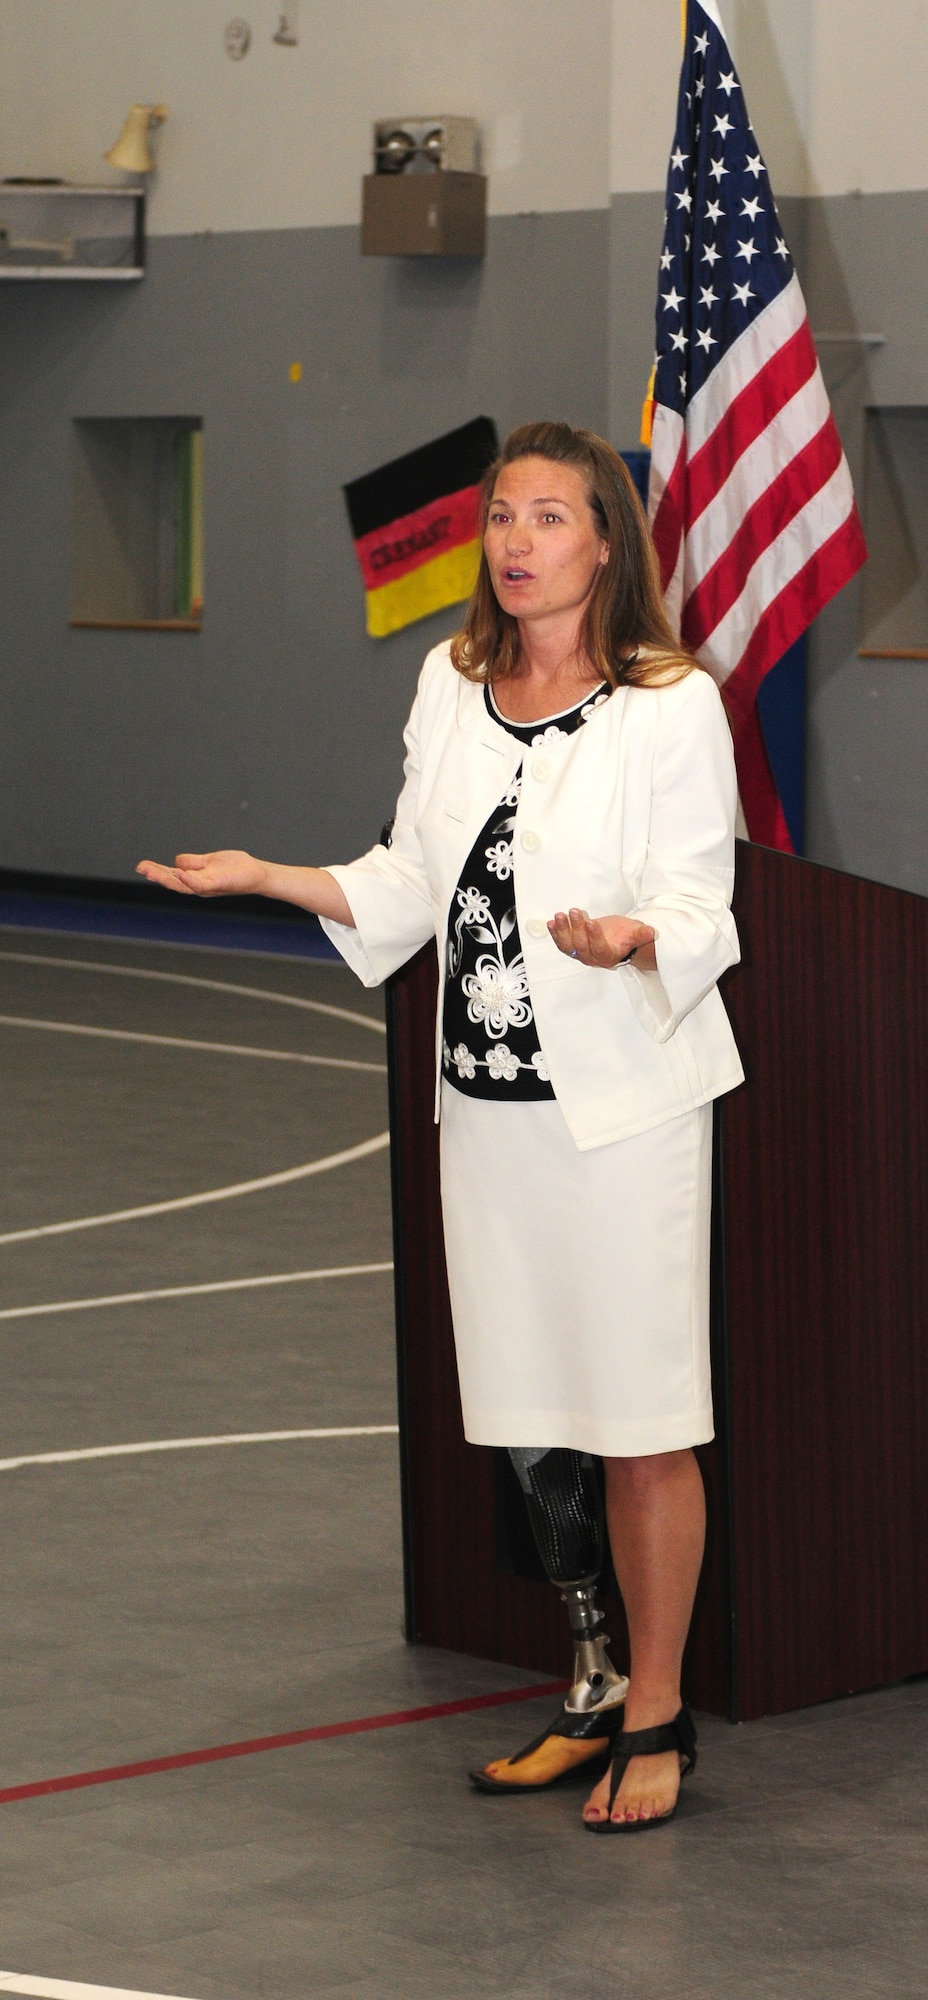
[
  {"x": 57, "y": 231},
  {"x": 850, "y": 339},
  {"x": 135, "y": 624}
]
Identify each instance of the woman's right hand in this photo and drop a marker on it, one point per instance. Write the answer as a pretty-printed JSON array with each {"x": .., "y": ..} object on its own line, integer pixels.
[{"x": 230, "y": 872}]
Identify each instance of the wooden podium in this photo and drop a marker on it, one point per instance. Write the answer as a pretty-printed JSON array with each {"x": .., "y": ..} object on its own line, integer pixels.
[{"x": 816, "y": 1576}]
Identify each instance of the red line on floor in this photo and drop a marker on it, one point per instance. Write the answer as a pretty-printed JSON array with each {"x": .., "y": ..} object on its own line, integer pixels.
[{"x": 256, "y": 1744}]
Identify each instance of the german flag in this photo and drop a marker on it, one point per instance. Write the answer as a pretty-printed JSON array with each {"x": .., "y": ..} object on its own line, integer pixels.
[{"x": 415, "y": 527}]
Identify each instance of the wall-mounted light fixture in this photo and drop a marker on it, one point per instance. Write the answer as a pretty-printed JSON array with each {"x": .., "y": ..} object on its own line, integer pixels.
[
  {"x": 426, "y": 145},
  {"x": 426, "y": 197},
  {"x": 132, "y": 151}
]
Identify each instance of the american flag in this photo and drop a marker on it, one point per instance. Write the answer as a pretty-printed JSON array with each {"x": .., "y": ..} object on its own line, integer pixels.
[{"x": 750, "y": 498}]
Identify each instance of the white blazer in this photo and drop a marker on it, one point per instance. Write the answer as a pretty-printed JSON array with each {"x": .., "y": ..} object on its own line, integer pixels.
[{"x": 631, "y": 815}]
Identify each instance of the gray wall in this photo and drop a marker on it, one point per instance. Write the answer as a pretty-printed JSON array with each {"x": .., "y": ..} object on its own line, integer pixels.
[
  {"x": 864, "y": 268},
  {"x": 636, "y": 227},
  {"x": 278, "y": 726}
]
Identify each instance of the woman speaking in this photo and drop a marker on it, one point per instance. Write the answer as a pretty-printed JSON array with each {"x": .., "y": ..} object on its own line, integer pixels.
[{"x": 565, "y": 831}]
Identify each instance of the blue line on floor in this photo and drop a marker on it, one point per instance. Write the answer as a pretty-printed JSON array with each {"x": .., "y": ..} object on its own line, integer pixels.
[{"x": 287, "y": 937}]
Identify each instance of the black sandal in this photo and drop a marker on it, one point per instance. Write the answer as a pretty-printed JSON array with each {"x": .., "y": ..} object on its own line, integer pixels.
[
  {"x": 590, "y": 1725},
  {"x": 679, "y": 1735}
]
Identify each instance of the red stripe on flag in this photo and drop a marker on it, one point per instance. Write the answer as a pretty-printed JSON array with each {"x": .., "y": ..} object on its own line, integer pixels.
[
  {"x": 784, "y": 498},
  {"x": 667, "y": 525},
  {"x": 790, "y": 614},
  {"x": 759, "y": 796},
  {"x": 747, "y": 417},
  {"x": 256, "y": 1744},
  {"x": 405, "y": 544}
]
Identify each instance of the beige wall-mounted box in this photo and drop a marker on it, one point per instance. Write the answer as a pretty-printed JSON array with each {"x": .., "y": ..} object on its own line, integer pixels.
[{"x": 424, "y": 215}]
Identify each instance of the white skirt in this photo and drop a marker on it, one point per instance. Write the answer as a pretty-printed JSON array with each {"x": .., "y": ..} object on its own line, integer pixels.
[{"x": 579, "y": 1281}]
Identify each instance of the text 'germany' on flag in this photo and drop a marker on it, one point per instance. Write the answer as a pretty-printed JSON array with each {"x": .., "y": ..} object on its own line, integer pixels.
[{"x": 416, "y": 533}]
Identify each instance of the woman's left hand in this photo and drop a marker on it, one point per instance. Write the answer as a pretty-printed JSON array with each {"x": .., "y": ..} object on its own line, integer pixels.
[{"x": 604, "y": 941}]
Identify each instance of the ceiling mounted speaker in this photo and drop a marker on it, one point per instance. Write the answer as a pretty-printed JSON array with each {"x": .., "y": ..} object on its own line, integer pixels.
[{"x": 132, "y": 151}]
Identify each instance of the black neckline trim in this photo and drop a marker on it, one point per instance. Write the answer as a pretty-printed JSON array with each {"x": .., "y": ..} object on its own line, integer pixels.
[{"x": 541, "y": 722}]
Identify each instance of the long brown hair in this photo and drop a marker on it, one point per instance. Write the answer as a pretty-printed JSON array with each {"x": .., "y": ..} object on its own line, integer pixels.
[{"x": 625, "y": 633}]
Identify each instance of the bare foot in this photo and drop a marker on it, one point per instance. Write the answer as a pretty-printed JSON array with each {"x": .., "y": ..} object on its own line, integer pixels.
[{"x": 648, "y": 1790}]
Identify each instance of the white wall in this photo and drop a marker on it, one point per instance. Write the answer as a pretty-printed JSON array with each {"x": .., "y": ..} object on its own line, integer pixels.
[
  {"x": 282, "y": 138},
  {"x": 645, "y": 74},
  {"x": 575, "y": 97},
  {"x": 869, "y": 128}
]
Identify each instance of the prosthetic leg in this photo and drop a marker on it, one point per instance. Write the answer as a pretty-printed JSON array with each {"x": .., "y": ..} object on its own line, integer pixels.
[{"x": 565, "y": 1510}]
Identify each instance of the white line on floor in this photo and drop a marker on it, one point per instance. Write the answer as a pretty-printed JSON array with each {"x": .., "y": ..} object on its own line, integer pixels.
[
  {"x": 188, "y": 979},
  {"x": 192, "y": 1291},
  {"x": 322, "y": 1166},
  {"x": 182, "y": 1042},
  {"x": 71, "y": 1989},
  {"x": 195, "y": 1444}
]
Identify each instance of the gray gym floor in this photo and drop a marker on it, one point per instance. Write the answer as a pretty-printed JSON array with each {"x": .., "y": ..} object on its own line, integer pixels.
[{"x": 157, "y": 1603}]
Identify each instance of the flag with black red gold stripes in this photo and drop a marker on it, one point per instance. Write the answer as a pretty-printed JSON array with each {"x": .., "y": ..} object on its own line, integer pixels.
[{"x": 416, "y": 532}]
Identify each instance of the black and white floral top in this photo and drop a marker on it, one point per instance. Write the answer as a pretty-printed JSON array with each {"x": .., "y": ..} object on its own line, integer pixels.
[{"x": 490, "y": 1043}]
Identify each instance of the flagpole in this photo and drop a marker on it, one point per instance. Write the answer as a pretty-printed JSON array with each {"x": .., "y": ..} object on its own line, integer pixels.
[{"x": 647, "y": 407}]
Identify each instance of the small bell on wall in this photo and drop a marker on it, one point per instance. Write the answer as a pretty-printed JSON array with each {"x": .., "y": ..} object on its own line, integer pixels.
[{"x": 131, "y": 151}]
